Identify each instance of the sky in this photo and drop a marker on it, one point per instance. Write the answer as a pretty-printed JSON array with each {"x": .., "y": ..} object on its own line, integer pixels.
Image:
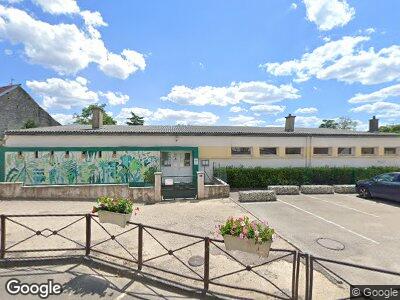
[{"x": 208, "y": 62}]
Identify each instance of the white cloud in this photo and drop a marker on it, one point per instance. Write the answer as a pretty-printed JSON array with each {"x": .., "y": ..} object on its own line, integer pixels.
[
  {"x": 57, "y": 7},
  {"x": 377, "y": 96},
  {"x": 236, "y": 109},
  {"x": 293, "y": 6},
  {"x": 66, "y": 94},
  {"x": 64, "y": 47},
  {"x": 64, "y": 119},
  {"x": 300, "y": 121},
  {"x": 8, "y": 52},
  {"x": 327, "y": 14},
  {"x": 268, "y": 109},
  {"x": 242, "y": 120},
  {"x": 253, "y": 92},
  {"x": 306, "y": 110},
  {"x": 370, "y": 30},
  {"x": 183, "y": 117},
  {"x": 115, "y": 98},
  {"x": 344, "y": 61},
  {"x": 93, "y": 18},
  {"x": 382, "y": 109}
]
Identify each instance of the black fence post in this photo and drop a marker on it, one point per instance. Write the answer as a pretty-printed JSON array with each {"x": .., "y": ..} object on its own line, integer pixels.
[
  {"x": 307, "y": 266},
  {"x": 88, "y": 233},
  {"x": 294, "y": 274},
  {"x": 311, "y": 278},
  {"x": 140, "y": 247},
  {"x": 3, "y": 236},
  {"x": 298, "y": 259},
  {"x": 206, "y": 263}
]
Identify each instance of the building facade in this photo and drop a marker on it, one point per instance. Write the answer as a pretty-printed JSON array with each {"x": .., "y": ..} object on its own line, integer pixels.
[
  {"x": 18, "y": 107},
  {"x": 131, "y": 154}
]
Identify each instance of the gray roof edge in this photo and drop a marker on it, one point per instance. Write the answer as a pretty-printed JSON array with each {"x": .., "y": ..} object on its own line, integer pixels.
[{"x": 10, "y": 89}]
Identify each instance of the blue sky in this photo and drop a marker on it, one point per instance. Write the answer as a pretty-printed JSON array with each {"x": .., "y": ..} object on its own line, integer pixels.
[{"x": 207, "y": 62}]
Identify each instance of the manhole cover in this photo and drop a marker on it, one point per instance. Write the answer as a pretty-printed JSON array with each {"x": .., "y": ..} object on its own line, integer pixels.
[
  {"x": 196, "y": 261},
  {"x": 330, "y": 244}
]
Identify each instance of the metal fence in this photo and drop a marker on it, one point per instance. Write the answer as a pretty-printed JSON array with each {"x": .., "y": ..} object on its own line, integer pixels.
[{"x": 134, "y": 241}]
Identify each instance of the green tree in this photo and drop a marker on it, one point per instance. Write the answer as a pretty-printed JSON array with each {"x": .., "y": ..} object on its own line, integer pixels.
[
  {"x": 29, "y": 124},
  {"x": 347, "y": 123},
  {"x": 329, "y": 124},
  {"x": 395, "y": 128},
  {"x": 85, "y": 118},
  {"x": 135, "y": 119}
]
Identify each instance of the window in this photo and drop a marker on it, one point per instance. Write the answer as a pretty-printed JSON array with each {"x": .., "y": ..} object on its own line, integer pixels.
[
  {"x": 36, "y": 154},
  {"x": 345, "y": 151},
  {"x": 268, "y": 151},
  {"x": 321, "y": 151},
  {"x": 51, "y": 153},
  {"x": 114, "y": 154},
  {"x": 66, "y": 155},
  {"x": 390, "y": 151},
  {"x": 293, "y": 151},
  {"x": 166, "y": 159},
  {"x": 391, "y": 177},
  {"x": 100, "y": 154},
  {"x": 84, "y": 154},
  {"x": 20, "y": 154},
  {"x": 368, "y": 151},
  {"x": 241, "y": 150},
  {"x": 187, "y": 160}
]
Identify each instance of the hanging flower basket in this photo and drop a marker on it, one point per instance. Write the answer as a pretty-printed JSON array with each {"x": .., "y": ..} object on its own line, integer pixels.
[
  {"x": 251, "y": 237},
  {"x": 115, "y": 211}
]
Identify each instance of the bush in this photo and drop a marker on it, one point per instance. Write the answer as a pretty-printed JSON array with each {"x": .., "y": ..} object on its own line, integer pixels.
[
  {"x": 241, "y": 177},
  {"x": 118, "y": 205}
]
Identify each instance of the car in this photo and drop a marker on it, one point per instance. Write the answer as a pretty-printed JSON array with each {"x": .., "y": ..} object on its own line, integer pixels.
[{"x": 385, "y": 186}]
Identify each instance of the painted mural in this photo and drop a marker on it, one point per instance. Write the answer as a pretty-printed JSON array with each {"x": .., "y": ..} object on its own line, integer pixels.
[{"x": 81, "y": 167}]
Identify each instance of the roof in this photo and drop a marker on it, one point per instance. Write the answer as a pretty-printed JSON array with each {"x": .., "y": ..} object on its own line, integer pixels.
[
  {"x": 7, "y": 88},
  {"x": 190, "y": 130}
]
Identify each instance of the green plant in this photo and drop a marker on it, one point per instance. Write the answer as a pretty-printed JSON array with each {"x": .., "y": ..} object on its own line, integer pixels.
[
  {"x": 241, "y": 177},
  {"x": 118, "y": 205},
  {"x": 244, "y": 229}
]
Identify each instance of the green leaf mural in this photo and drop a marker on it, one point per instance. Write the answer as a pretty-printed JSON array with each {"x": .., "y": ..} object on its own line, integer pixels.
[{"x": 76, "y": 167}]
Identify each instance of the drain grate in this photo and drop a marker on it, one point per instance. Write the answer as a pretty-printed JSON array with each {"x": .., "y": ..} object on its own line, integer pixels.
[{"x": 330, "y": 244}]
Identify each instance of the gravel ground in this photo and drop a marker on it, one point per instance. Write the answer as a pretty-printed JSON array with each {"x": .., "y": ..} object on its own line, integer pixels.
[{"x": 194, "y": 217}]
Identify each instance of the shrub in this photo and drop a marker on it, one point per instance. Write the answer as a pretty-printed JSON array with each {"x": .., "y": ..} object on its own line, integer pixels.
[
  {"x": 244, "y": 229},
  {"x": 241, "y": 177},
  {"x": 118, "y": 205}
]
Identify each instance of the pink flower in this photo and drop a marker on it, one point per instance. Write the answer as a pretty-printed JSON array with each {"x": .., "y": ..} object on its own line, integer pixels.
[
  {"x": 241, "y": 236},
  {"x": 245, "y": 232}
]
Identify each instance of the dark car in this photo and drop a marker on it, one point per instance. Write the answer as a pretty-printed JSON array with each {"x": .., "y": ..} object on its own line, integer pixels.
[{"x": 385, "y": 186}]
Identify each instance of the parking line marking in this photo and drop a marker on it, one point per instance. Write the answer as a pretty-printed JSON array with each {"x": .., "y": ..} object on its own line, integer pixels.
[
  {"x": 331, "y": 222},
  {"x": 342, "y": 205}
]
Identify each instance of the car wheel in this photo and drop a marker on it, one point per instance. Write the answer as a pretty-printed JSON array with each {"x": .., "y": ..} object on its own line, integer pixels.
[{"x": 364, "y": 192}]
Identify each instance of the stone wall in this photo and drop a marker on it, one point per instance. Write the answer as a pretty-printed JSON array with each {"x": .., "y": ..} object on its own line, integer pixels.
[
  {"x": 219, "y": 190},
  {"x": 17, "y": 107},
  {"x": 75, "y": 192}
]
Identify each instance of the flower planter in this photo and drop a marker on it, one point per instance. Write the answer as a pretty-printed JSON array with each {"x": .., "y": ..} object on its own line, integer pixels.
[
  {"x": 113, "y": 217},
  {"x": 247, "y": 245}
]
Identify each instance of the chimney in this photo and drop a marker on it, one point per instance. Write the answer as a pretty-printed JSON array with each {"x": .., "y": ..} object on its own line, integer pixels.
[
  {"x": 97, "y": 118},
  {"x": 289, "y": 125},
  {"x": 374, "y": 124}
]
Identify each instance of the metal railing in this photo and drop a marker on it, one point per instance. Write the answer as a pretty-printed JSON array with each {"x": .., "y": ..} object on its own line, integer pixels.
[{"x": 137, "y": 259}]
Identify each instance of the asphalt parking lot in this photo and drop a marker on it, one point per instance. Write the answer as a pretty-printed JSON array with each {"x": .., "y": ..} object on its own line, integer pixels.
[{"x": 339, "y": 227}]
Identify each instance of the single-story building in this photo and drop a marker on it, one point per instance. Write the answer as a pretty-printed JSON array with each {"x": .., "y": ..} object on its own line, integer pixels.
[{"x": 97, "y": 153}]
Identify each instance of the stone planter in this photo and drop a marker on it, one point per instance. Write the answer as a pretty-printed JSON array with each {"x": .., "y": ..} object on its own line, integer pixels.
[
  {"x": 316, "y": 189},
  {"x": 247, "y": 245},
  {"x": 345, "y": 189},
  {"x": 113, "y": 217},
  {"x": 257, "y": 196},
  {"x": 285, "y": 189}
]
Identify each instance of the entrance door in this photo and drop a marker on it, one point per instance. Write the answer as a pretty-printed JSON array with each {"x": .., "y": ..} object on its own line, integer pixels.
[{"x": 177, "y": 165}]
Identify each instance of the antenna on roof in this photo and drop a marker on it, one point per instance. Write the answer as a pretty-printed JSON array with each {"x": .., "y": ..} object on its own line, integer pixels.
[{"x": 12, "y": 81}]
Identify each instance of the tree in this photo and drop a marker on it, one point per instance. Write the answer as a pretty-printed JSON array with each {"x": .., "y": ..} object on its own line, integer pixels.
[
  {"x": 342, "y": 123},
  {"x": 329, "y": 124},
  {"x": 135, "y": 119},
  {"x": 347, "y": 123},
  {"x": 85, "y": 118},
  {"x": 29, "y": 124},
  {"x": 395, "y": 128}
]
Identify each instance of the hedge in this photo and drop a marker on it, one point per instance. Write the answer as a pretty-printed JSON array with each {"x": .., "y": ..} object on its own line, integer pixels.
[{"x": 241, "y": 177}]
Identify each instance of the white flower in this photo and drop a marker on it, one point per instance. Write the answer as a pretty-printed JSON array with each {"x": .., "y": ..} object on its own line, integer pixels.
[{"x": 256, "y": 233}]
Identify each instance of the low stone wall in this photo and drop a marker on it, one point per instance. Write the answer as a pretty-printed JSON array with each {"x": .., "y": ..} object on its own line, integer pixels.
[
  {"x": 219, "y": 190},
  {"x": 285, "y": 189},
  {"x": 316, "y": 189},
  {"x": 345, "y": 189},
  {"x": 257, "y": 196},
  {"x": 76, "y": 192}
]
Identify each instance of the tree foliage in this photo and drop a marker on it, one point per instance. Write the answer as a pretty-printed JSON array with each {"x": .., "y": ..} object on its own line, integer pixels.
[
  {"x": 329, "y": 124},
  {"x": 342, "y": 123},
  {"x": 390, "y": 128},
  {"x": 29, "y": 124},
  {"x": 85, "y": 118},
  {"x": 135, "y": 120}
]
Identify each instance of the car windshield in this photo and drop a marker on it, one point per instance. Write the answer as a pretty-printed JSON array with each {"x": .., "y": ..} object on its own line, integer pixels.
[{"x": 387, "y": 178}]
